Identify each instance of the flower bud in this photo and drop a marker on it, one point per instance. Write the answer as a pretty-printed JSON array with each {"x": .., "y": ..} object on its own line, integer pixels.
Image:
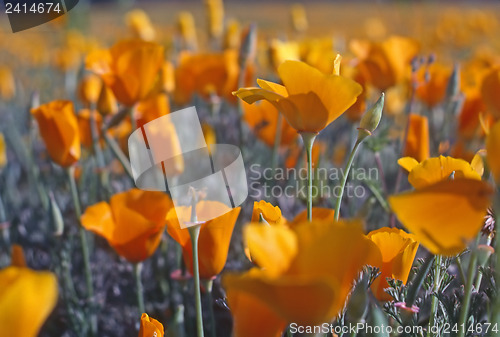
[{"x": 371, "y": 119}]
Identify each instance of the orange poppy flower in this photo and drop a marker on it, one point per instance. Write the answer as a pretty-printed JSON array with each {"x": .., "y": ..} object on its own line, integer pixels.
[
  {"x": 493, "y": 151},
  {"x": 85, "y": 128},
  {"x": 489, "y": 92},
  {"x": 432, "y": 90},
  {"x": 263, "y": 120},
  {"x": 150, "y": 327},
  {"x": 446, "y": 215},
  {"x": 311, "y": 266},
  {"x": 206, "y": 74},
  {"x": 7, "y": 84},
  {"x": 469, "y": 118},
  {"x": 107, "y": 104},
  {"x": 309, "y": 99},
  {"x": 27, "y": 298},
  {"x": 398, "y": 250},
  {"x": 130, "y": 68},
  {"x": 272, "y": 214},
  {"x": 215, "y": 17},
  {"x": 139, "y": 24},
  {"x": 215, "y": 235},
  {"x": 151, "y": 108},
  {"x": 318, "y": 213},
  {"x": 385, "y": 63},
  {"x": 434, "y": 170},
  {"x": 59, "y": 130},
  {"x": 417, "y": 138},
  {"x": 132, "y": 222},
  {"x": 89, "y": 89}
]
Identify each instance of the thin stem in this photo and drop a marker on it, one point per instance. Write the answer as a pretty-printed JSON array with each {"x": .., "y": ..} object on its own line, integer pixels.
[
  {"x": 118, "y": 154},
  {"x": 194, "y": 233},
  {"x": 277, "y": 141},
  {"x": 480, "y": 275},
  {"x": 344, "y": 179},
  {"x": 308, "y": 138},
  {"x": 209, "y": 287},
  {"x": 464, "y": 312},
  {"x": 380, "y": 167},
  {"x": 461, "y": 269},
  {"x": 84, "y": 244},
  {"x": 435, "y": 300},
  {"x": 139, "y": 287}
]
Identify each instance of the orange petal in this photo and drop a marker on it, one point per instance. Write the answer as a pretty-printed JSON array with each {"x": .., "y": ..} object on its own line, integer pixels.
[{"x": 446, "y": 215}]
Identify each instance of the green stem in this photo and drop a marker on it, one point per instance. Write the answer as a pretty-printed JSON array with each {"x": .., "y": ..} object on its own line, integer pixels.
[
  {"x": 139, "y": 287},
  {"x": 277, "y": 141},
  {"x": 435, "y": 300},
  {"x": 209, "y": 286},
  {"x": 84, "y": 244},
  {"x": 308, "y": 138},
  {"x": 118, "y": 154},
  {"x": 461, "y": 269},
  {"x": 344, "y": 179},
  {"x": 194, "y": 233},
  {"x": 464, "y": 312}
]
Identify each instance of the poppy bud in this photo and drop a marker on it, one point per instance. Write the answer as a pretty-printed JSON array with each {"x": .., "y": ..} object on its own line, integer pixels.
[{"x": 371, "y": 119}]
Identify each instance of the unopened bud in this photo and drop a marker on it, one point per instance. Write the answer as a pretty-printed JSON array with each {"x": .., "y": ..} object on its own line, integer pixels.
[
  {"x": 371, "y": 119},
  {"x": 483, "y": 254},
  {"x": 248, "y": 45}
]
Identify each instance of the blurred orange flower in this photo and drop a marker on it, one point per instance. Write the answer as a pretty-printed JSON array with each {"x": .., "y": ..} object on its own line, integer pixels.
[
  {"x": 27, "y": 298},
  {"x": 139, "y": 24},
  {"x": 152, "y": 107},
  {"x": 489, "y": 92},
  {"x": 3, "y": 152},
  {"x": 263, "y": 120},
  {"x": 130, "y": 68},
  {"x": 311, "y": 266},
  {"x": 417, "y": 138},
  {"x": 309, "y": 99},
  {"x": 398, "y": 250},
  {"x": 446, "y": 215},
  {"x": 432, "y": 83},
  {"x": 89, "y": 89},
  {"x": 215, "y": 235},
  {"x": 106, "y": 104},
  {"x": 206, "y": 74},
  {"x": 436, "y": 169},
  {"x": 318, "y": 213},
  {"x": 493, "y": 151},
  {"x": 7, "y": 84},
  {"x": 272, "y": 214},
  {"x": 85, "y": 128},
  {"x": 132, "y": 222},
  {"x": 59, "y": 129},
  {"x": 150, "y": 327},
  {"x": 385, "y": 63}
]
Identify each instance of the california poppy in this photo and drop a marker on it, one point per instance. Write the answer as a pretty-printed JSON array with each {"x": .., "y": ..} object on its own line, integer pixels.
[
  {"x": 417, "y": 138},
  {"x": 493, "y": 151},
  {"x": 206, "y": 74},
  {"x": 27, "y": 298},
  {"x": 309, "y": 99},
  {"x": 59, "y": 129},
  {"x": 90, "y": 89},
  {"x": 272, "y": 214},
  {"x": 446, "y": 215},
  {"x": 214, "y": 239},
  {"x": 432, "y": 83},
  {"x": 107, "y": 104},
  {"x": 489, "y": 92},
  {"x": 311, "y": 266},
  {"x": 434, "y": 170},
  {"x": 140, "y": 25},
  {"x": 385, "y": 63},
  {"x": 150, "y": 327},
  {"x": 84, "y": 126},
  {"x": 263, "y": 120},
  {"x": 130, "y": 68},
  {"x": 215, "y": 16},
  {"x": 154, "y": 106},
  {"x": 7, "y": 84},
  {"x": 132, "y": 222},
  {"x": 3, "y": 152},
  {"x": 398, "y": 250}
]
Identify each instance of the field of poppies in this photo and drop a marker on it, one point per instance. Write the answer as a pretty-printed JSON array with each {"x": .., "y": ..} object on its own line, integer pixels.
[{"x": 338, "y": 176}]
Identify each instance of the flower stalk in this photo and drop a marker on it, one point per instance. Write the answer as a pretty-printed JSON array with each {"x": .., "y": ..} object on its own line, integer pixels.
[
  {"x": 139, "y": 287},
  {"x": 308, "y": 138}
]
